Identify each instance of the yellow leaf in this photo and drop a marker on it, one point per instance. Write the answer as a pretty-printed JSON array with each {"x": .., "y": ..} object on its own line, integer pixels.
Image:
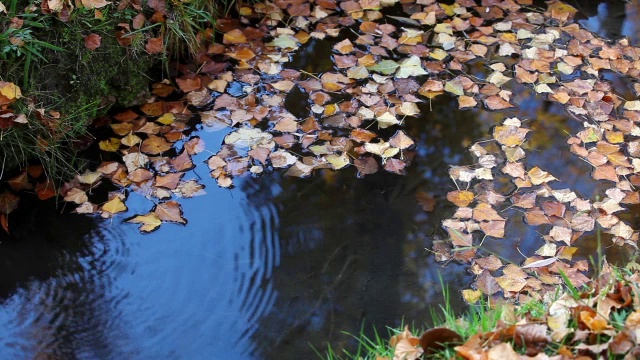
[
  {"x": 111, "y": 144},
  {"x": 471, "y": 296},
  {"x": 150, "y": 222},
  {"x": 89, "y": 177},
  {"x": 131, "y": 140},
  {"x": 166, "y": 119},
  {"x": 114, "y": 205},
  {"x": 10, "y": 90},
  {"x": 338, "y": 161}
]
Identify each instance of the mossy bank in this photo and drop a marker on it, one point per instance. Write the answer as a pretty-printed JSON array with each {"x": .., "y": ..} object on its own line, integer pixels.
[{"x": 65, "y": 84}]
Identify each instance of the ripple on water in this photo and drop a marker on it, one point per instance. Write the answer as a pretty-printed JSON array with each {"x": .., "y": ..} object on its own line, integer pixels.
[
  {"x": 68, "y": 312},
  {"x": 199, "y": 290},
  {"x": 181, "y": 292}
]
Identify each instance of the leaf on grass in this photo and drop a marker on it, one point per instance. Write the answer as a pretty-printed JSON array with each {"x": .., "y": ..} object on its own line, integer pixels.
[{"x": 92, "y": 41}]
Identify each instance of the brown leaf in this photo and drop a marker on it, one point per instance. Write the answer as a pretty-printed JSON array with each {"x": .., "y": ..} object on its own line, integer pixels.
[
  {"x": 170, "y": 211},
  {"x": 493, "y": 228},
  {"x": 401, "y": 140},
  {"x": 20, "y": 182},
  {"x": 495, "y": 102},
  {"x": 458, "y": 238},
  {"x": 366, "y": 165},
  {"x": 539, "y": 176},
  {"x": 155, "y": 145},
  {"x": 234, "y": 37},
  {"x": 427, "y": 201},
  {"x": 396, "y": 166},
  {"x": 182, "y": 162},
  {"x": 169, "y": 181},
  {"x": 92, "y": 41},
  {"x": 139, "y": 175},
  {"x": 8, "y": 202},
  {"x": 194, "y": 146},
  {"x": 437, "y": 339},
  {"x": 484, "y": 212},
  {"x": 45, "y": 190},
  {"x": 154, "y": 46},
  {"x": 491, "y": 263}
]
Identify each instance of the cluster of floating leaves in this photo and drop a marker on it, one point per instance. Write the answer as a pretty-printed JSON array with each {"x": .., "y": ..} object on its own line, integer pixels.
[{"x": 386, "y": 71}]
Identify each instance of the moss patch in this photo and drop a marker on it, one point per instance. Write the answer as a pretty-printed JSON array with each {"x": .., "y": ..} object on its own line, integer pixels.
[{"x": 78, "y": 83}]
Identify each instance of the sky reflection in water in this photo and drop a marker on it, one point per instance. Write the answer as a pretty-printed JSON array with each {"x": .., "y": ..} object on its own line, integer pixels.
[{"x": 268, "y": 268}]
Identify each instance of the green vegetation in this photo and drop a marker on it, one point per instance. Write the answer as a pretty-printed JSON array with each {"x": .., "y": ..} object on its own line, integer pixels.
[
  {"x": 598, "y": 318},
  {"x": 66, "y": 84}
]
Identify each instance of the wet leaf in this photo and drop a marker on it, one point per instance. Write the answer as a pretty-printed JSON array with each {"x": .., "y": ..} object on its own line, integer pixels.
[
  {"x": 427, "y": 201},
  {"x": 538, "y": 176},
  {"x": 189, "y": 188},
  {"x": 114, "y": 206},
  {"x": 110, "y": 145},
  {"x": 8, "y": 202},
  {"x": 401, "y": 140},
  {"x": 148, "y": 222},
  {"x": 484, "y": 212},
  {"x": 437, "y": 339},
  {"x": 460, "y": 198},
  {"x": 76, "y": 196},
  {"x": 510, "y": 136},
  {"x": 386, "y": 67},
  {"x": 409, "y": 67},
  {"x": 155, "y": 145},
  {"x": 170, "y": 211}
]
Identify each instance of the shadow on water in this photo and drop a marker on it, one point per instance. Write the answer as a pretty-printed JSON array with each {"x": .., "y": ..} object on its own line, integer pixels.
[{"x": 278, "y": 264}]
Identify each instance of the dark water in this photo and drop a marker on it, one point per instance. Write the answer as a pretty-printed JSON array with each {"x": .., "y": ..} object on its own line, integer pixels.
[{"x": 277, "y": 265}]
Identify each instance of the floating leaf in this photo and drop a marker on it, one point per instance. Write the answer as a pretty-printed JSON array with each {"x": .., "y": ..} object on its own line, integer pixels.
[
  {"x": 155, "y": 145},
  {"x": 170, "y": 211},
  {"x": 410, "y": 67},
  {"x": 149, "y": 222},
  {"x": 539, "y": 176},
  {"x": 114, "y": 206},
  {"x": 460, "y": 198},
  {"x": 386, "y": 67}
]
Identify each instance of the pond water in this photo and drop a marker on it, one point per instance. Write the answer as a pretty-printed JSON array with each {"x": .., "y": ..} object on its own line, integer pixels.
[{"x": 277, "y": 266}]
